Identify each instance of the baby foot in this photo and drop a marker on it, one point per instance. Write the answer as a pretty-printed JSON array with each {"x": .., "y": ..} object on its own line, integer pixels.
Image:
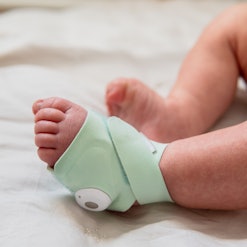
[
  {"x": 57, "y": 121},
  {"x": 140, "y": 106}
]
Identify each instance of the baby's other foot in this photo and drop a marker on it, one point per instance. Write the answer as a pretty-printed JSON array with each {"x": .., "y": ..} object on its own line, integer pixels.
[
  {"x": 57, "y": 121},
  {"x": 140, "y": 106}
]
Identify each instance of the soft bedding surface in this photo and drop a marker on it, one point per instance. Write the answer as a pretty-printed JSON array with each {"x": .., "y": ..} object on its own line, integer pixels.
[{"x": 73, "y": 52}]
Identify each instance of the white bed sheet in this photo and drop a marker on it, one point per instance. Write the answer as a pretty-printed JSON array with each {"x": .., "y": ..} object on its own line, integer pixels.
[{"x": 73, "y": 53}]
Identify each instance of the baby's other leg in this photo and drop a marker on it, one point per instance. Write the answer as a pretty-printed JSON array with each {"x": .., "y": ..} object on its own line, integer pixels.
[
  {"x": 204, "y": 89},
  {"x": 207, "y": 81}
]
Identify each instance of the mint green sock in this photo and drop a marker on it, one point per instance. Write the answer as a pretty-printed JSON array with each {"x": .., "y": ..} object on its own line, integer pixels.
[{"x": 110, "y": 165}]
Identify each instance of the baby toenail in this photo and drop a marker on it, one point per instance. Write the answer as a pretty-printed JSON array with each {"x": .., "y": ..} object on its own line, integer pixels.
[{"x": 39, "y": 104}]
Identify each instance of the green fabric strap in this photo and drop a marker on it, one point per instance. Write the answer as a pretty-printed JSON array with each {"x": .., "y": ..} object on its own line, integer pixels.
[
  {"x": 110, "y": 157},
  {"x": 140, "y": 159}
]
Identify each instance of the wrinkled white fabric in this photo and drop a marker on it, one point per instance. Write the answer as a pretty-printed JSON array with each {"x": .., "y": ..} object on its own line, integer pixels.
[{"x": 73, "y": 52}]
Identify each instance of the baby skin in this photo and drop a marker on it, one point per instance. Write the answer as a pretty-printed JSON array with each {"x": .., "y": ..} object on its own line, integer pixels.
[{"x": 201, "y": 170}]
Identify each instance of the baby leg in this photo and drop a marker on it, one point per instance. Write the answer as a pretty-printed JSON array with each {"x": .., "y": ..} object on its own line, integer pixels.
[{"x": 204, "y": 89}]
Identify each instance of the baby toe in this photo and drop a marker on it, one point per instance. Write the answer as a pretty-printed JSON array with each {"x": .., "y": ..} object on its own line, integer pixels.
[
  {"x": 44, "y": 126},
  {"x": 48, "y": 155},
  {"x": 55, "y": 103},
  {"x": 44, "y": 140},
  {"x": 37, "y": 106},
  {"x": 49, "y": 114}
]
